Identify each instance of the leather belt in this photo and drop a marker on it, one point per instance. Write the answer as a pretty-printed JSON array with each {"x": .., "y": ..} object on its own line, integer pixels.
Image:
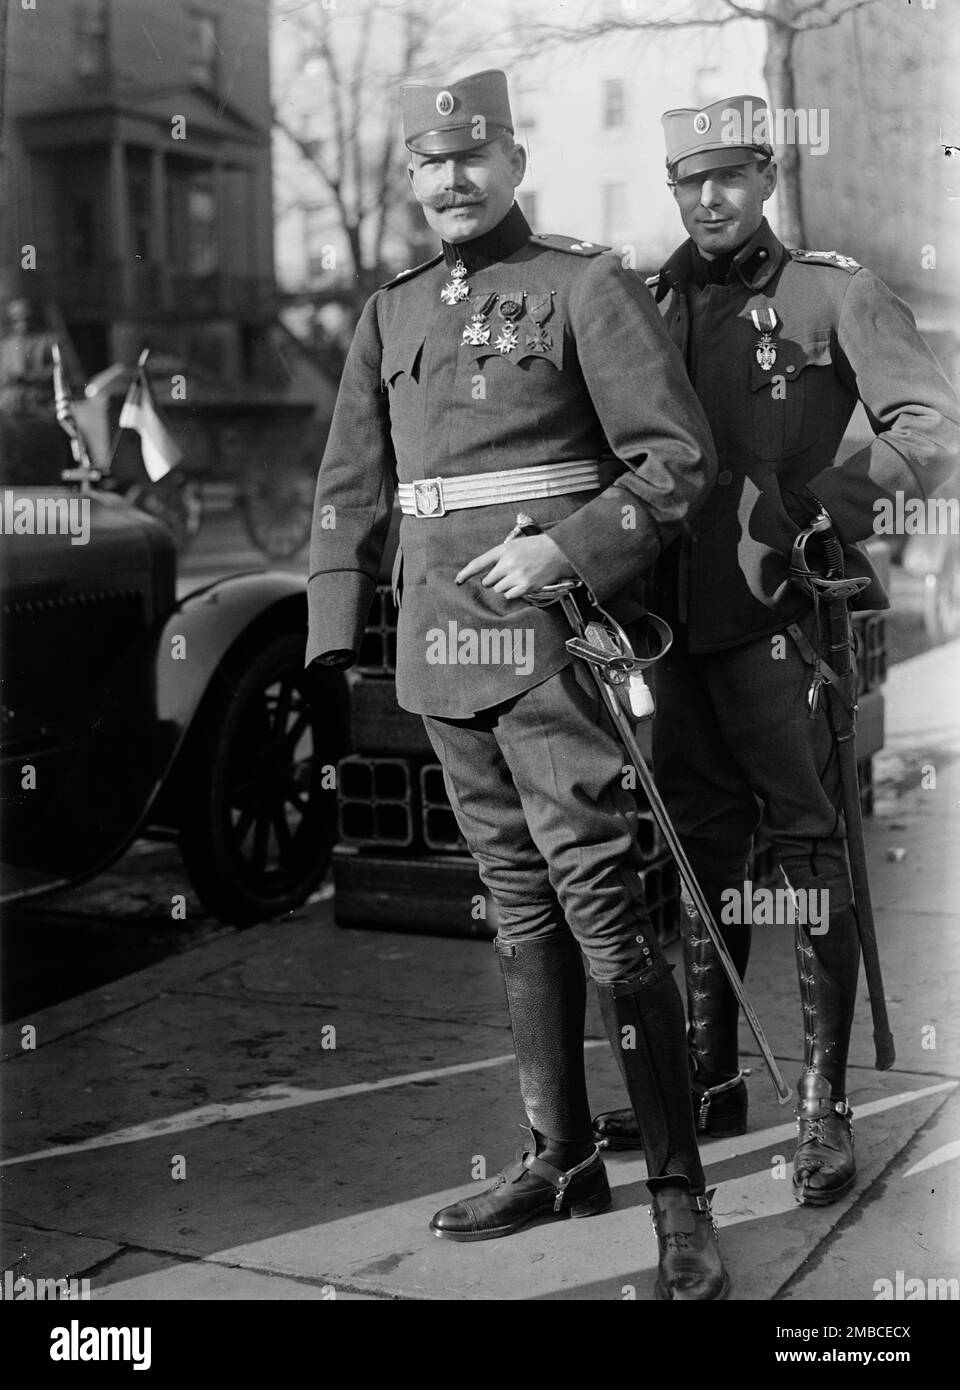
[{"x": 432, "y": 497}]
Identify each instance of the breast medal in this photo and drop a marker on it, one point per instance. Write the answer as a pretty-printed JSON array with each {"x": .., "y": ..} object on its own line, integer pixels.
[
  {"x": 540, "y": 308},
  {"x": 765, "y": 321},
  {"x": 456, "y": 288},
  {"x": 510, "y": 309},
  {"x": 476, "y": 333}
]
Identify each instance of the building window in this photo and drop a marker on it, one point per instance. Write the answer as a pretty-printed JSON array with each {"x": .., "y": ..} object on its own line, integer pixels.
[
  {"x": 204, "y": 49},
  {"x": 528, "y": 206},
  {"x": 614, "y": 103},
  {"x": 204, "y": 256},
  {"x": 141, "y": 213},
  {"x": 91, "y": 38},
  {"x": 82, "y": 236},
  {"x": 614, "y": 197}
]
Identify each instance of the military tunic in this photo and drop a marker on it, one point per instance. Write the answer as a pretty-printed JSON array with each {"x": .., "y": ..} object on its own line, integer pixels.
[
  {"x": 592, "y": 377},
  {"x": 732, "y": 731},
  {"x": 531, "y": 766},
  {"x": 840, "y": 336}
]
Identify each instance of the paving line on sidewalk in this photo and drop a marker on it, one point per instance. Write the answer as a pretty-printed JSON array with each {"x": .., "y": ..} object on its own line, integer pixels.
[
  {"x": 274, "y": 1098},
  {"x": 353, "y": 1245},
  {"x": 267, "y": 1100}
]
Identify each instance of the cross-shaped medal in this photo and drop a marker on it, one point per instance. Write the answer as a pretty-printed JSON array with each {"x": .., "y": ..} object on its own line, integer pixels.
[{"x": 456, "y": 289}]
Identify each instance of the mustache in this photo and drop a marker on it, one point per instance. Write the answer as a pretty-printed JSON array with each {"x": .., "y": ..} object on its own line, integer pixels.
[{"x": 440, "y": 202}]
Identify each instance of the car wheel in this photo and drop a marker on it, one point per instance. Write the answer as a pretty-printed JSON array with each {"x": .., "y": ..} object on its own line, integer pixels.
[
  {"x": 259, "y": 800},
  {"x": 941, "y": 599}
]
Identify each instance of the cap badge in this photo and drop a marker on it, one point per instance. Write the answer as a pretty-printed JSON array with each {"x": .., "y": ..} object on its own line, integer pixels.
[
  {"x": 701, "y": 123},
  {"x": 445, "y": 103},
  {"x": 765, "y": 321},
  {"x": 456, "y": 288}
]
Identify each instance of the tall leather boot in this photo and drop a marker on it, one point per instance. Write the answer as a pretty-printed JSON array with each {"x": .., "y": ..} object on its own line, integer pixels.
[
  {"x": 824, "y": 1167},
  {"x": 644, "y": 1022},
  {"x": 563, "y": 1174},
  {"x": 717, "y": 1085}
]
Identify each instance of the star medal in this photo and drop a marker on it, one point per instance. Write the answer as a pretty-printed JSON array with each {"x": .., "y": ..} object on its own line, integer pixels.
[
  {"x": 540, "y": 308},
  {"x": 765, "y": 321},
  {"x": 456, "y": 289},
  {"x": 511, "y": 309},
  {"x": 477, "y": 332},
  {"x": 509, "y": 339}
]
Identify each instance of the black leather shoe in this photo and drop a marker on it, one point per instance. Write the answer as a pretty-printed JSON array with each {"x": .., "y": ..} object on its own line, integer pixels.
[
  {"x": 528, "y": 1190},
  {"x": 824, "y": 1167},
  {"x": 720, "y": 1111},
  {"x": 690, "y": 1268}
]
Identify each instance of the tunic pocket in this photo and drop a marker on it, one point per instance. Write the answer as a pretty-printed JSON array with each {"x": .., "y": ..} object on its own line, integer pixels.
[
  {"x": 781, "y": 397},
  {"x": 401, "y": 359}
]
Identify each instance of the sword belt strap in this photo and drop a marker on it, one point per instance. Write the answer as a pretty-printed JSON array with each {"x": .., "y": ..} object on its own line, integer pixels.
[
  {"x": 433, "y": 497},
  {"x": 826, "y": 671}
]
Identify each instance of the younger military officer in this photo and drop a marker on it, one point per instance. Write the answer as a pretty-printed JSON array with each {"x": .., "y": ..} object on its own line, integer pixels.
[
  {"x": 780, "y": 345},
  {"x": 517, "y": 371}
]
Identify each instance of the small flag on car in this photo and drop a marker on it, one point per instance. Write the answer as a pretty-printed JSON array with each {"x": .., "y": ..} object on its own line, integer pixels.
[{"x": 140, "y": 412}]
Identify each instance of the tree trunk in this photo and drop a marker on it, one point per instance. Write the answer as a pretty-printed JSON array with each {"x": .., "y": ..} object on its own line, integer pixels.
[{"x": 780, "y": 79}]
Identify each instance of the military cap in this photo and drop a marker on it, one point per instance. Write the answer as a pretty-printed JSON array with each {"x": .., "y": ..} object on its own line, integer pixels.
[
  {"x": 459, "y": 116},
  {"x": 733, "y": 131}
]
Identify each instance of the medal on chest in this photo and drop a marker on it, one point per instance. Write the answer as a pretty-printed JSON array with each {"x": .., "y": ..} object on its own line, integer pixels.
[
  {"x": 456, "y": 287},
  {"x": 765, "y": 321},
  {"x": 477, "y": 330},
  {"x": 510, "y": 310},
  {"x": 540, "y": 308}
]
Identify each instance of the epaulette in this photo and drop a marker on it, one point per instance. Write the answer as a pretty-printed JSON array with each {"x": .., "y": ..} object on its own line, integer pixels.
[
  {"x": 406, "y": 275},
  {"x": 568, "y": 243},
  {"x": 833, "y": 258}
]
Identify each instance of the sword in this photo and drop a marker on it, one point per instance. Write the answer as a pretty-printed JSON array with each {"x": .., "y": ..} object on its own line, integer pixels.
[
  {"x": 614, "y": 668},
  {"x": 839, "y": 675}
]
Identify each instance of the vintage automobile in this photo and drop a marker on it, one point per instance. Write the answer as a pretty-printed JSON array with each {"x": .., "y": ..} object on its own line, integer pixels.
[{"x": 127, "y": 709}]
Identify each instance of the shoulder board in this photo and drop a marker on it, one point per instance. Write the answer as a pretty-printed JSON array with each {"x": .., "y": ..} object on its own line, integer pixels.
[
  {"x": 409, "y": 274},
  {"x": 833, "y": 258},
  {"x": 570, "y": 244}
]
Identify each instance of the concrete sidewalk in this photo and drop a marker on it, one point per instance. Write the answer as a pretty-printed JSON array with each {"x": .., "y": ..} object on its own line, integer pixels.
[{"x": 276, "y": 1114}]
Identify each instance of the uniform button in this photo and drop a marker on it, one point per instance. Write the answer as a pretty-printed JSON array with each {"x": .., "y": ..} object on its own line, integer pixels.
[
  {"x": 761, "y": 254},
  {"x": 791, "y": 369},
  {"x": 640, "y": 940},
  {"x": 725, "y": 477}
]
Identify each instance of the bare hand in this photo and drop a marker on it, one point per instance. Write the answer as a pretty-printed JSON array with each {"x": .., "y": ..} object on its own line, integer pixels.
[{"x": 519, "y": 566}]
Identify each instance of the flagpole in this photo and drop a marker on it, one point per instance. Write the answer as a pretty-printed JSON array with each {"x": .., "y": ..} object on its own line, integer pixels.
[
  {"x": 84, "y": 473},
  {"x": 141, "y": 363}
]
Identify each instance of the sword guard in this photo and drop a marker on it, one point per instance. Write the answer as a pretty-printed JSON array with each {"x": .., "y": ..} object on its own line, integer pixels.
[{"x": 552, "y": 593}]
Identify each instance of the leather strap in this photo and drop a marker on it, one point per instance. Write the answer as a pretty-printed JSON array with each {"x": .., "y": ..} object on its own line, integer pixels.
[{"x": 826, "y": 671}]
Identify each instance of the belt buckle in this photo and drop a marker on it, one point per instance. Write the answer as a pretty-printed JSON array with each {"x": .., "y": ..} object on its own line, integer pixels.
[{"x": 428, "y": 497}]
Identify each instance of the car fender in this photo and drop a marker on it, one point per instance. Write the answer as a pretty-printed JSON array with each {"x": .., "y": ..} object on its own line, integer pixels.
[{"x": 207, "y": 624}]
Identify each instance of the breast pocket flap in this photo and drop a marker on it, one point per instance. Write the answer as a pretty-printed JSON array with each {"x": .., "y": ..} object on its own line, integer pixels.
[
  {"x": 400, "y": 359},
  {"x": 791, "y": 361}
]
